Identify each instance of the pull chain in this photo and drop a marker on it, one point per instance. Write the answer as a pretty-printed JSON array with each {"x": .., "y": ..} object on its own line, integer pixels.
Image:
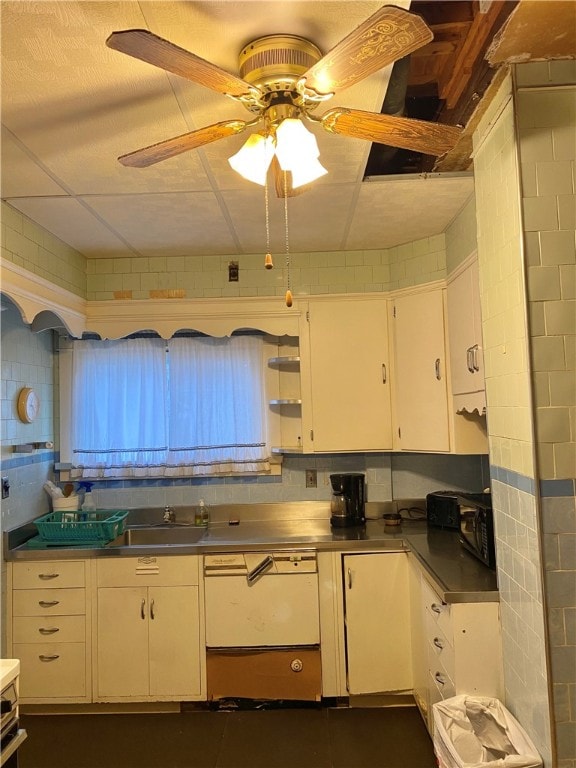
[
  {"x": 288, "y": 291},
  {"x": 268, "y": 263}
]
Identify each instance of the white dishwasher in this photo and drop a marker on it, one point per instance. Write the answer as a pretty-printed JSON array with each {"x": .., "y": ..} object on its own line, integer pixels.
[{"x": 262, "y": 625}]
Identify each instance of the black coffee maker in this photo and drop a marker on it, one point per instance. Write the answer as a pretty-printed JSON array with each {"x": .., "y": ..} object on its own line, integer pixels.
[{"x": 348, "y": 500}]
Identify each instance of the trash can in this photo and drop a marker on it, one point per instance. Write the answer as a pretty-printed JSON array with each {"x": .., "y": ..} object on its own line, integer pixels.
[{"x": 478, "y": 732}]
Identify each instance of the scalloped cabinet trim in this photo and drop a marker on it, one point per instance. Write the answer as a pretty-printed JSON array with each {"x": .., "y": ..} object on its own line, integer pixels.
[{"x": 33, "y": 295}]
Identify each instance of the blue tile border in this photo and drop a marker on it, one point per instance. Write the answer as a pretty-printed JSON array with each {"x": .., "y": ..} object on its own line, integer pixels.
[
  {"x": 546, "y": 488},
  {"x": 557, "y": 488},
  {"x": 27, "y": 459}
]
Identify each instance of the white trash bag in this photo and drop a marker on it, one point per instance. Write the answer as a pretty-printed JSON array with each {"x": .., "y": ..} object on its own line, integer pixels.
[{"x": 479, "y": 732}]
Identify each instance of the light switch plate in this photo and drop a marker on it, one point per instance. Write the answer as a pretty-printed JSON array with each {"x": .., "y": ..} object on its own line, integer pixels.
[{"x": 311, "y": 478}]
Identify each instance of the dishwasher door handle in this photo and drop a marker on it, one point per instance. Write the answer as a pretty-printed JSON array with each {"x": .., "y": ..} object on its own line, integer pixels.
[{"x": 261, "y": 568}]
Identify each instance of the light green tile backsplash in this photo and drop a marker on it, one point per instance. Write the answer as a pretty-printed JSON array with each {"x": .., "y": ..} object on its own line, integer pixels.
[
  {"x": 313, "y": 273},
  {"x": 30, "y": 246},
  {"x": 461, "y": 236}
]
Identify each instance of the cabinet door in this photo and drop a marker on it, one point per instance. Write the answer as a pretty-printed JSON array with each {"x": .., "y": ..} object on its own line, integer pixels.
[
  {"x": 377, "y": 604},
  {"x": 421, "y": 394},
  {"x": 465, "y": 332},
  {"x": 123, "y": 641},
  {"x": 349, "y": 375},
  {"x": 174, "y": 634}
]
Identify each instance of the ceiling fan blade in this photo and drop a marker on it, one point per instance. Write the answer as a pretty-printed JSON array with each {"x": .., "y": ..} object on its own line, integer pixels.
[
  {"x": 390, "y": 34},
  {"x": 404, "y": 132},
  {"x": 142, "y": 158},
  {"x": 144, "y": 45}
]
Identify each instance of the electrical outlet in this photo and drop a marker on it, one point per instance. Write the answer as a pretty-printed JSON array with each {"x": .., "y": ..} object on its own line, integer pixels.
[
  {"x": 5, "y": 488},
  {"x": 311, "y": 478}
]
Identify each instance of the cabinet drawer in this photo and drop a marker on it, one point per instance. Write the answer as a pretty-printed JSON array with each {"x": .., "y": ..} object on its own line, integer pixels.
[
  {"x": 438, "y": 611},
  {"x": 439, "y": 647},
  {"x": 49, "y": 602},
  {"x": 168, "y": 571},
  {"x": 441, "y": 683},
  {"x": 53, "y": 670},
  {"x": 49, "y": 573},
  {"x": 38, "y": 629}
]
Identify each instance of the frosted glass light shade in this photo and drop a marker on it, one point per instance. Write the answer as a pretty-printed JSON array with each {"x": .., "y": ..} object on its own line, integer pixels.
[
  {"x": 295, "y": 145},
  {"x": 308, "y": 171},
  {"x": 253, "y": 159}
]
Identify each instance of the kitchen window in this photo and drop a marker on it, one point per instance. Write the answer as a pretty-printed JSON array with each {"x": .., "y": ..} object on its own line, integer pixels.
[{"x": 146, "y": 407}]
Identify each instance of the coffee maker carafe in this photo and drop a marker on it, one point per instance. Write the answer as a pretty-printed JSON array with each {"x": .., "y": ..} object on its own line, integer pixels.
[{"x": 348, "y": 499}]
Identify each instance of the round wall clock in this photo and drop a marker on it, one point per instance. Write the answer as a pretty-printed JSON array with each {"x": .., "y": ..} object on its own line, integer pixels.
[{"x": 28, "y": 404}]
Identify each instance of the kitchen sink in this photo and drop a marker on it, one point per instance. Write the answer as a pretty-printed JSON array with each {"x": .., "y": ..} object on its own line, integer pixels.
[{"x": 158, "y": 536}]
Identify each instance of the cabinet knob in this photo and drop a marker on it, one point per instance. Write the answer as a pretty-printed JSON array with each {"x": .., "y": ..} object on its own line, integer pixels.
[
  {"x": 438, "y": 643},
  {"x": 439, "y": 677},
  {"x": 437, "y": 607}
]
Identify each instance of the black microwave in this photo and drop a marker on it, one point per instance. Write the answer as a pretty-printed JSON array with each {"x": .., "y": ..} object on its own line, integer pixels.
[
  {"x": 477, "y": 530},
  {"x": 468, "y": 513}
]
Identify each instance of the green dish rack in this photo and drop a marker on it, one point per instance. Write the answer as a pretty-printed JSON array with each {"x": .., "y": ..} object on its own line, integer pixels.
[{"x": 81, "y": 527}]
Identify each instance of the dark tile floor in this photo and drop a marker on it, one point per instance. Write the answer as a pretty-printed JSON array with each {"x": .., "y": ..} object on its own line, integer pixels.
[{"x": 393, "y": 737}]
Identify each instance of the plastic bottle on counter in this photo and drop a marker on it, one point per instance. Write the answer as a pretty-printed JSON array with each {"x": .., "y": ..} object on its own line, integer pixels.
[
  {"x": 204, "y": 513},
  {"x": 88, "y": 504}
]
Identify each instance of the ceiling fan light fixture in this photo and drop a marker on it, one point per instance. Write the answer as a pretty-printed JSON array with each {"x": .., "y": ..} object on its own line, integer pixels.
[
  {"x": 306, "y": 172},
  {"x": 253, "y": 159},
  {"x": 294, "y": 144}
]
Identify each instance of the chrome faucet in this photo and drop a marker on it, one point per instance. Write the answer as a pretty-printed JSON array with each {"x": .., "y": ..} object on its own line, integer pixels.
[{"x": 169, "y": 515}]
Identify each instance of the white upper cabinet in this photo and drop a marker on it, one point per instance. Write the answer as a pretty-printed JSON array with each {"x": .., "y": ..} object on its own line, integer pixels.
[
  {"x": 420, "y": 387},
  {"x": 346, "y": 390},
  {"x": 465, "y": 336}
]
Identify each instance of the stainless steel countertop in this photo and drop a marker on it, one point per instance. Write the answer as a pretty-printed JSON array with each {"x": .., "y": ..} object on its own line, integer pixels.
[{"x": 456, "y": 573}]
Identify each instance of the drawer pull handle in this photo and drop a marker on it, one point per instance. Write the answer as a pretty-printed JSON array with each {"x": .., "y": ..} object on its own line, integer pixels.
[
  {"x": 384, "y": 374},
  {"x": 349, "y": 578},
  {"x": 47, "y": 576},
  {"x": 439, "y": 677},
  {"x": 152, "y": 614},
  {"x": 142, "y": 609},
  {"x": 48, "y": 603},
  {"x": 438, "y": 643},
  {"x": 48, "y": 630},
  {"x": 437, "y": 607},
  {"x": 54, "y": 656},
  {"x": 437, "y": 372}
]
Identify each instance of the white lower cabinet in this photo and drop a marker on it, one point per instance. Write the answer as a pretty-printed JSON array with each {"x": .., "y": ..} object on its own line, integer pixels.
[
  {"x": 149, "y": 645},
  {"x": 377, "y": 621},
  {"x": 456, "y": 646},
  {"x": 49, "y": 630}
]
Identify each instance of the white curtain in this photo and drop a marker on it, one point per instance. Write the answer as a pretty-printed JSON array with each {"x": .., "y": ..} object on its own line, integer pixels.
[
  {"x": 217, "y": 423},
  {"x": 147, "y": 408},
  {"x": 118, "y": 407}
]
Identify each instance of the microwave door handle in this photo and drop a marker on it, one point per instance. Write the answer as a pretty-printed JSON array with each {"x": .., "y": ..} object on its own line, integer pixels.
[{"x": 261, "y": 568}]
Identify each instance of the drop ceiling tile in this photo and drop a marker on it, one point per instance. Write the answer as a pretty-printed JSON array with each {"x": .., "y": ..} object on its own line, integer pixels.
[
  {"x": 69, "y": 220},
  {"x": 168, "y": 224},
  {"x": 21, "y": 174},
  {"x": 385, "y": 211}
]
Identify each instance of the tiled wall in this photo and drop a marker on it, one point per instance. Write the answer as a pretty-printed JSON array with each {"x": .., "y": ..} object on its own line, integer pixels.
[
  {"x": 388, "y": 476},
  {"x": 546, "y": 115},
  {"x": 27, "y": 360},
  {"x": 30, "y": 246},
  {"x": 510, "y": 421},
  {"x": 310, "y": 273},
  {"x": 461, "y": 236}
]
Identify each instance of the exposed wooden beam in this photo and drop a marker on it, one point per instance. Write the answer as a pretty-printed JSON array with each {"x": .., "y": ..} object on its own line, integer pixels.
[{"x": 452, "y": 84}]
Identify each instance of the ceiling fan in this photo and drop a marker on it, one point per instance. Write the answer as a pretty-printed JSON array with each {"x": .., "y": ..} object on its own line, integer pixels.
[{"x": 286, "y": 77}]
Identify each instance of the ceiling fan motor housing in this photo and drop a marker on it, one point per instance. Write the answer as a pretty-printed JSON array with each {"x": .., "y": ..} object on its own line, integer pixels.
[{"x": 277, "y": 62}]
